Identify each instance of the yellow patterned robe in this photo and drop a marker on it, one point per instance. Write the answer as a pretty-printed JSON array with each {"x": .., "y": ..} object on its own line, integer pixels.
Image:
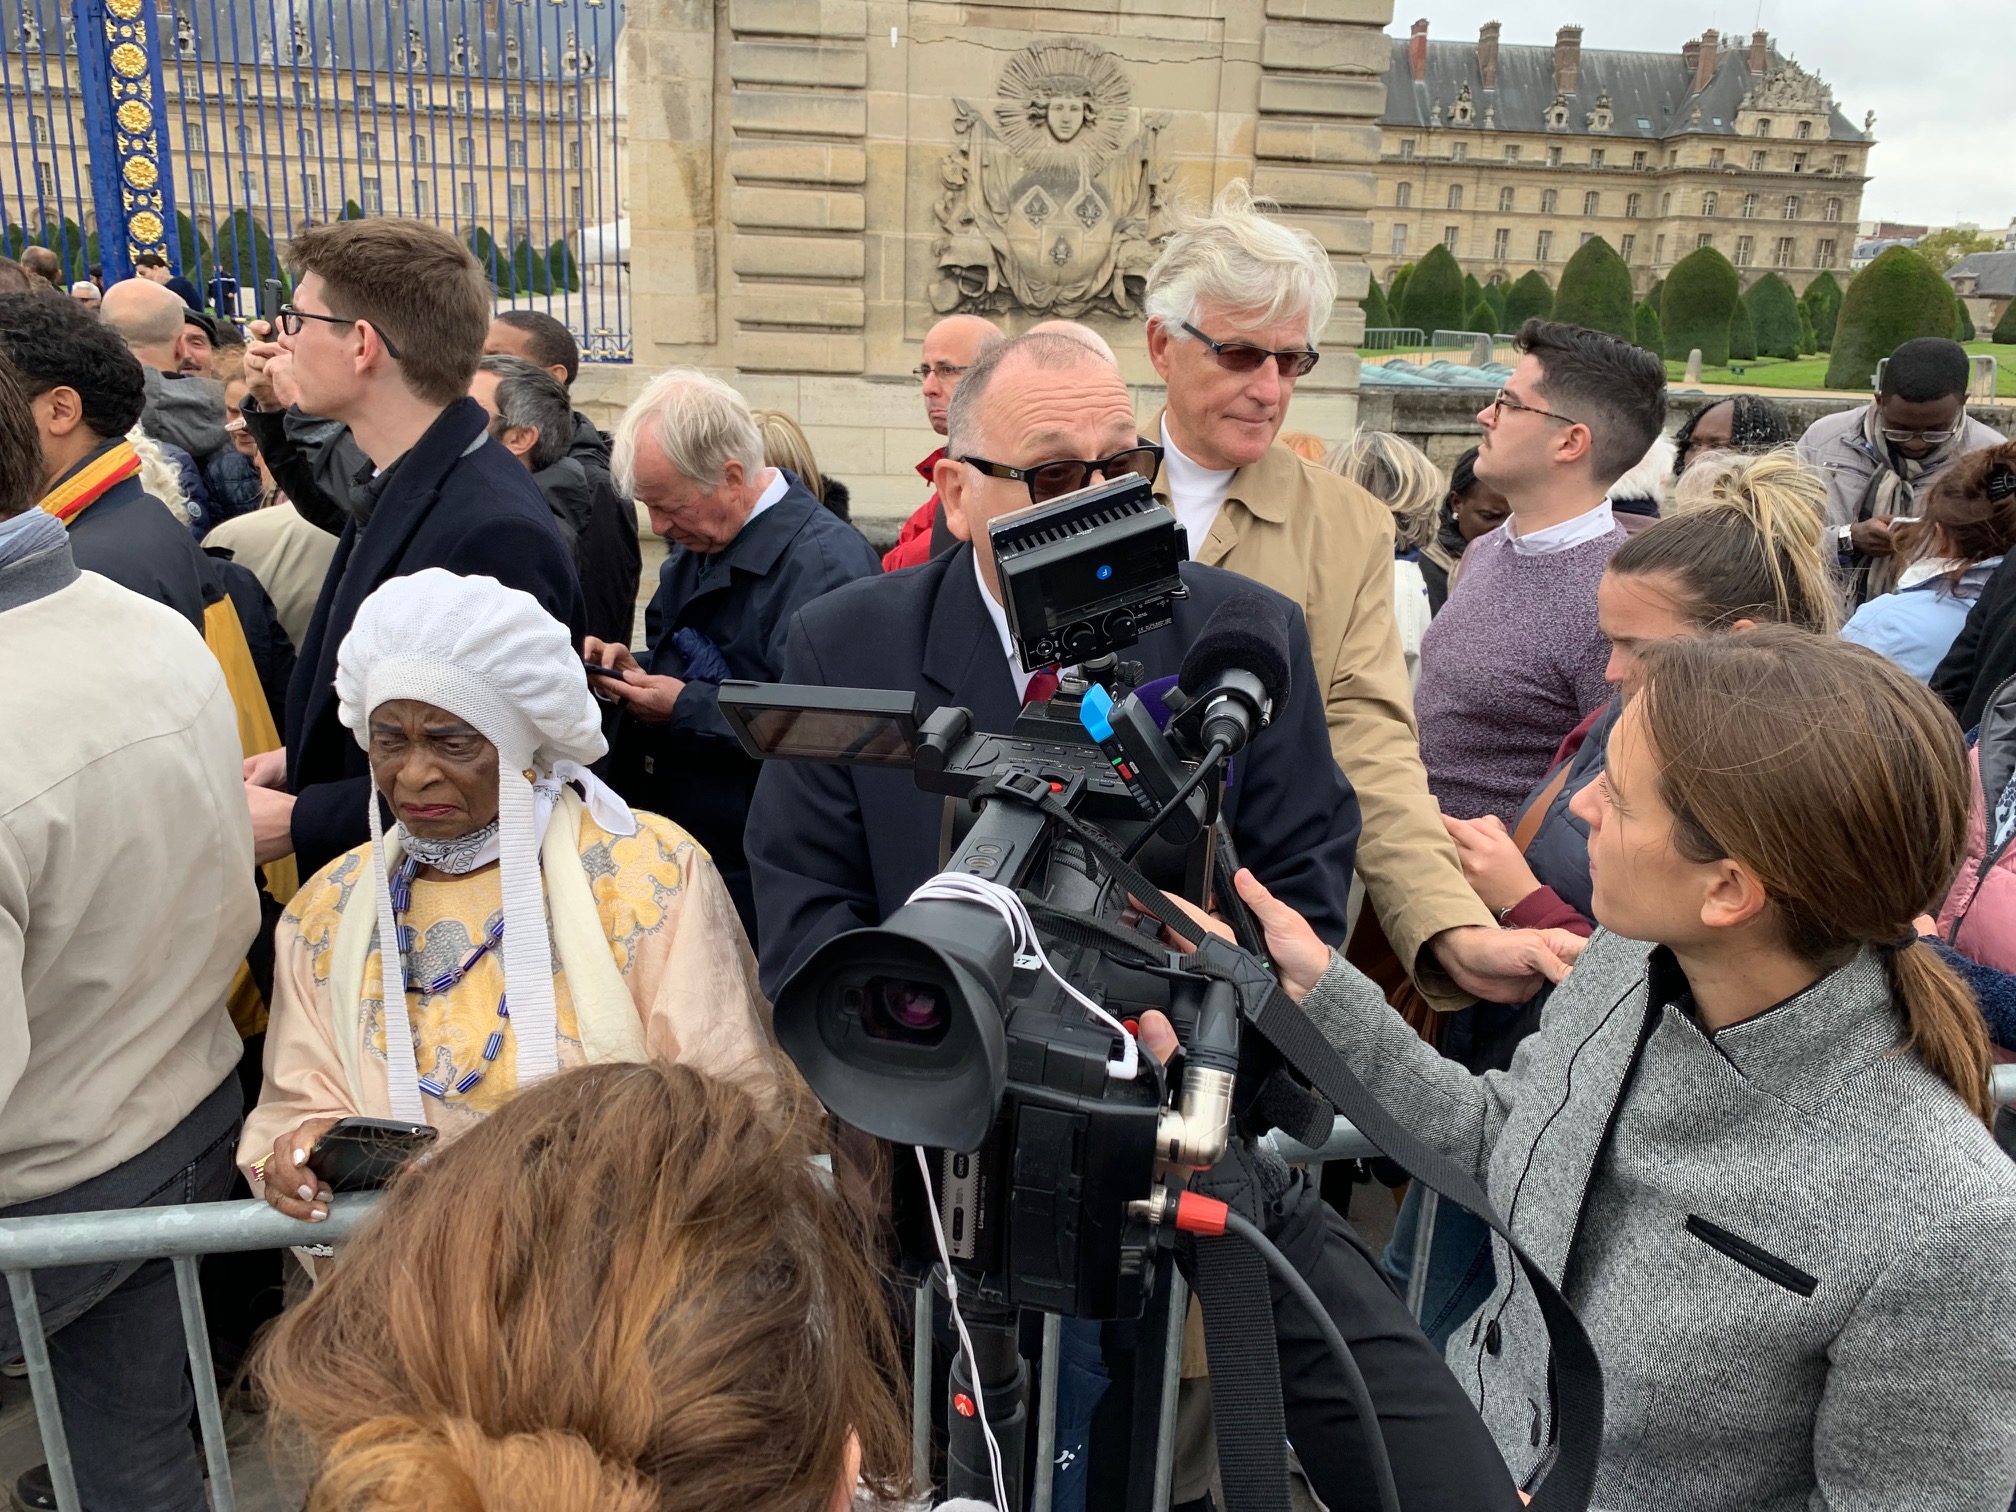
[{"x": 672, "y": 931}]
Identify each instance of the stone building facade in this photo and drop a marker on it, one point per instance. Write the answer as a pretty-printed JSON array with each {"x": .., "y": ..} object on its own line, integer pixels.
[
  {"x": 811, "y": 183},
  {"x": 1512, "y": 156}
]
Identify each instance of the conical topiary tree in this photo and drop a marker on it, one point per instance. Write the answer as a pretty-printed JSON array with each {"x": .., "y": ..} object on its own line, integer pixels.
[
  {"x": 1495, "y": 294},
  {"x": 1434, "y": 299},
  {"x": 563, "y": 273},
  {"x": 1700, "y": 295},
  {"x": 1645, "y": 329},
  {"x": 1483, "y": 317},
  {"x": 1396, "y": 289},
  {"x": 1742, "y": 339},
  {"x": 1530, "y": 296},
  {"x": 1377, "y": 316},
  {"x": 528, "y": 270},
  {"x": 1472, "y": 291},
  {"x": 1897, "y": 298},
  {"x": 1963, "y": 328},
  {"x": 351, "y": 211},
  {"x": 1657, "y": 292},
  {"x": 1808, "y": 343},
  {"x": 1822, "y": 303},
  {"x": 496, "y": 267},
  {"x": 1595, "y": 290},
  {"x": 245, "y": 251},
  {"x": 1774, "y": 317},
  {"x": 2004, "y": 333}
]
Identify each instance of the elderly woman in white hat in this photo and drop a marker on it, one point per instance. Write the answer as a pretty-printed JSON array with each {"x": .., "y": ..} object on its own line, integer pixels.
[{"x": 540, "y": 921}]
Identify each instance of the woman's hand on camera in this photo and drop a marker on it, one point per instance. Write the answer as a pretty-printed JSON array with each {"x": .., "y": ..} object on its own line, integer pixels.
[{"x": 1299, "y": 957}]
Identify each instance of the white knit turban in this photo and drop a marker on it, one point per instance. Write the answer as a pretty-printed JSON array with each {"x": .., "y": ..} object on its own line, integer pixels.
[{"x": 491, "y": 656}]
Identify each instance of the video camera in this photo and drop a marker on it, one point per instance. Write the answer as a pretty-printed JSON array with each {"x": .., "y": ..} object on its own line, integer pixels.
[{"x": 952, "y": 1025}]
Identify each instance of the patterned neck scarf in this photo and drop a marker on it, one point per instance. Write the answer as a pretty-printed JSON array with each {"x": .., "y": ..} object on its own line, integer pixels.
[{"x": 457, "y": 857}]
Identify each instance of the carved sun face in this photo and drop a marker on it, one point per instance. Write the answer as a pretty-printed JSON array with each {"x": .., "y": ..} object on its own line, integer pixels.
[{"x": 1065, "y": 115}]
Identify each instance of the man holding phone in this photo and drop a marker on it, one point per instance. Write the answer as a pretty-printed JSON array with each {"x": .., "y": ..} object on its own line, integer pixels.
[{"x": 383, "y": 335}]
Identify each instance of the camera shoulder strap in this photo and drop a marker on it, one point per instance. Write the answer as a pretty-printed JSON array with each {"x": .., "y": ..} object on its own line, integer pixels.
[{"x": 1576, "y": 1375}]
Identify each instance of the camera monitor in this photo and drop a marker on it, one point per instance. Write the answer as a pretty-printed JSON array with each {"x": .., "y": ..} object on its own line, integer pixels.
[{"x": 804, "y": 722}]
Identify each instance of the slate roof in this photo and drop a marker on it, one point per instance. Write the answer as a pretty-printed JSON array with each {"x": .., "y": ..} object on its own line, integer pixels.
[
  {"x": 1651, "y": 97},
  {"x": 1994, "y": 273},
  {"x": 368, "y": 36}
]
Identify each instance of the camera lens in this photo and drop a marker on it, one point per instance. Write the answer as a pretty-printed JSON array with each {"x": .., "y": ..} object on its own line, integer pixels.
[{"x": 897, "y": 1008}]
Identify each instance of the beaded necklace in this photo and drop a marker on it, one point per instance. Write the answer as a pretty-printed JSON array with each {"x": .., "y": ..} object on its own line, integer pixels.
[{"x": 402, "y": 897}]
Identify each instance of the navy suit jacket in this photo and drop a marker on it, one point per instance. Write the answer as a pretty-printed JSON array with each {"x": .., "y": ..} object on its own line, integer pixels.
[
  {"x": 457, "y": 501},
  {"x": 742, "y": 599},
  {"x": 834, "y": 848}
]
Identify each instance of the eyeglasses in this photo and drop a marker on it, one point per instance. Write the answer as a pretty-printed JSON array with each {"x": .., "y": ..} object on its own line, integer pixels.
[
  {"x": 289, "y": 320},
  {"x": 1244, "y": 357},
  {"x": 1933, "y": 437},
  {"x": 1505, "y": 401},
  {"x": 1050, "y": 480},
  {"x": 944, "y": 372}
]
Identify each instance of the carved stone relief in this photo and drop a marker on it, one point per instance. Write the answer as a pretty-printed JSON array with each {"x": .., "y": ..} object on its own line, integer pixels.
[{"x": 1054, "y": 190}]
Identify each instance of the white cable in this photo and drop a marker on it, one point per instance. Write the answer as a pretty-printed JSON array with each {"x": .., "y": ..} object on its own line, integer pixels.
[
  {"x": 958, "y": 887},
  {"x": 965, "y": 1339}
]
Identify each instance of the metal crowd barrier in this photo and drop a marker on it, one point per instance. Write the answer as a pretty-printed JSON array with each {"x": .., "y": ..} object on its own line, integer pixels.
[{"x": 180, "y": 1235}]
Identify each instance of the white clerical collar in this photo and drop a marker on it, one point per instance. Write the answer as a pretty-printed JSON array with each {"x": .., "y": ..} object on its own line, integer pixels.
[
  {"x": 778, "y": 487},
  {"x": 999, "y": 616},
  {"x": 1573, "y": 532}
]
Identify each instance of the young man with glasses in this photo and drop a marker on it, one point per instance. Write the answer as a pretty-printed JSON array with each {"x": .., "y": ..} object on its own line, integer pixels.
[
  {"x": 1516, "y": 658},
  {"x": 1876, "y": 458},
  {"x": 833, "y": 848},
  {"x": 383, "y": 335},
  {"x": 1235, "y": 306},
  {"x": 951, "y": 347}
]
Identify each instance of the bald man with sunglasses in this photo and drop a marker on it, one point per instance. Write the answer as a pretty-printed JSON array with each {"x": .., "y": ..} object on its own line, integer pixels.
[
  {"x": 834, "y": 848},
  {"x": 1235, "y": 306}
]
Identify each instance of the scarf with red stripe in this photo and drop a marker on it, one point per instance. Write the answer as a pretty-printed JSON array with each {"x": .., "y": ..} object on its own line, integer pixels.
[{"x": 85, "y": 486}]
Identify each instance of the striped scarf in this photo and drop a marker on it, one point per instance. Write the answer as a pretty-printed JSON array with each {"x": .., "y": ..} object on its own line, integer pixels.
[{"x": 89, "y": 482}]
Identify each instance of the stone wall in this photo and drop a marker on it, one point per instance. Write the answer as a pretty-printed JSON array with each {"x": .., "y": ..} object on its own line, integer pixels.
[{"x": 802, "y": 177}]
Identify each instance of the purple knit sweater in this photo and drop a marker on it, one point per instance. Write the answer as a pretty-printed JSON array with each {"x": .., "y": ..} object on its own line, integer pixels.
[{"x": 1512, "y": 663}]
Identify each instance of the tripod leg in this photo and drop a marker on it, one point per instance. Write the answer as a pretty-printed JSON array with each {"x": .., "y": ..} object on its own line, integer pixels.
[
  {"x": 920, "y": 1380},
  {"x": 1002, "y": 1394},
  {"x": 1045, "y": 1468},
  {"x": 1172, "y": 1365}
]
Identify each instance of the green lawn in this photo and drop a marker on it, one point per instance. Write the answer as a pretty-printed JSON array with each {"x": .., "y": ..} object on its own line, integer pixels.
[{"x": 1811, "y": 372}]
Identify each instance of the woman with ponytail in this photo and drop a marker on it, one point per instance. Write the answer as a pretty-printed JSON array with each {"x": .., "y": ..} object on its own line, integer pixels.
[
  {"x": 630, "y": 1290},
  {"x": 1753, "y": 1046},
  {"x": 1743, "y": 549}
]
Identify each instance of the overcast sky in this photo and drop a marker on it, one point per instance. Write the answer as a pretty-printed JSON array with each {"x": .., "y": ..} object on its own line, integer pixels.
[{"x": 1927, "y": 69}]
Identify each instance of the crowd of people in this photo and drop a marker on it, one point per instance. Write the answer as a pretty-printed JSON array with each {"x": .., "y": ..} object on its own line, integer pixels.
[{"x": 1636, "y": 823}]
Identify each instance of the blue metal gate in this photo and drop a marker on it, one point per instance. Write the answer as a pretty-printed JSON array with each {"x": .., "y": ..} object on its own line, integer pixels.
[{"x": 237, "y": 122}]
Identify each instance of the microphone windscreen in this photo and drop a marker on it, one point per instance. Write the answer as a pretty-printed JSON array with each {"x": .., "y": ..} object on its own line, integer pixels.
[{"x": 1249, "y": 631}]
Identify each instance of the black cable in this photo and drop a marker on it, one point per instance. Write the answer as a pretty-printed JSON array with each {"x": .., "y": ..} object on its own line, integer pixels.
[
  {"x": 1354, "y": 1379},
  {"x": 1218, "y": 752}
]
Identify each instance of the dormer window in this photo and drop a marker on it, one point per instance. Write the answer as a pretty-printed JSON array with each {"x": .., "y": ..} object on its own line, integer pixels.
[
  {"x": 1462, "y": 113},
  {"x": 1557, "y": 113},
  {"x": 1601, "y": 117}
]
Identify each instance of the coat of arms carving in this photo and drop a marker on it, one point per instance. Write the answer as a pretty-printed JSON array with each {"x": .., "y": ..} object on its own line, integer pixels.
[{"x": 1055, "y": 189}]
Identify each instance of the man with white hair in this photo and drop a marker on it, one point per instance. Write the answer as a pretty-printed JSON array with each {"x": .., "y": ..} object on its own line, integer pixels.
[
  {"x": 1236, "y": 304},
  {"x": 751, "y": 547},
  {"x": 86, "y": 294}
]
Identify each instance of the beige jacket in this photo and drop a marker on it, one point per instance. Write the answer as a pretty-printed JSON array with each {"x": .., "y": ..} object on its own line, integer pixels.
[
  {"x": 126, "y": 891},
  {"x": 1328, "y": 544},
  {"x": 289, "y": 556}
]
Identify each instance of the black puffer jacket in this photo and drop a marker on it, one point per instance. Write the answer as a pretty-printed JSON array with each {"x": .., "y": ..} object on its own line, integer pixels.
[{"x": 606, "y": 550}]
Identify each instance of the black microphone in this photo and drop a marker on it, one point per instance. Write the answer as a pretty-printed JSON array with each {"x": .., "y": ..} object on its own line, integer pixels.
[{"x": 1236, "y": 672}]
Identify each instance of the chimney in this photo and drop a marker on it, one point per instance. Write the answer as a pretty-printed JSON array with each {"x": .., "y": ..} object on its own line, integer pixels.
[
  {"x": 1704, "y": 64},
  {"x": 1487, "y": 54},
  {"x": 1690, "y": 58},
  {"x": 1417, "y": 50},
  {"x": 1760, "y": 52},
  {"x": 1567, "y": 59}
]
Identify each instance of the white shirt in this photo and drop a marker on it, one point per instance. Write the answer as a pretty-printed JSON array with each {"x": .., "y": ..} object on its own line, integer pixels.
[
  {"x": 1575, "y": 532},
  {"x": 1196, "y": 493},
  {"x": 779, "y": 486},
  {"x": 999, "y": 615}
]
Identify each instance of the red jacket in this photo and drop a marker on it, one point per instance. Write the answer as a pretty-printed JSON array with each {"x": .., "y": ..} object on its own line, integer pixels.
[{"x": 913, "y": 541}]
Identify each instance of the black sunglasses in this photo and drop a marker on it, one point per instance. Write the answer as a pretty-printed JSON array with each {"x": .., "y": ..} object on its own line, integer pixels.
[
  {"x": 290, "y": 325},
  {"x": 1244, "y": 357},
  {"x": 1050, "y": 480}
]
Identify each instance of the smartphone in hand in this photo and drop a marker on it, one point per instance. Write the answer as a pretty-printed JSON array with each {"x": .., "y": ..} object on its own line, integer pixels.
[{"x": 362, "y": 1154}]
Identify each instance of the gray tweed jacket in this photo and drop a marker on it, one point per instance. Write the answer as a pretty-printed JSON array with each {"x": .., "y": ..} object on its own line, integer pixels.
[{"x": 1793, "y": 1247}]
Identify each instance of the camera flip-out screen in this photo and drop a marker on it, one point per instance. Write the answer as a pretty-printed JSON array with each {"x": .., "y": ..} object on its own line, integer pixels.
[{"x": 792, "y": 722}]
